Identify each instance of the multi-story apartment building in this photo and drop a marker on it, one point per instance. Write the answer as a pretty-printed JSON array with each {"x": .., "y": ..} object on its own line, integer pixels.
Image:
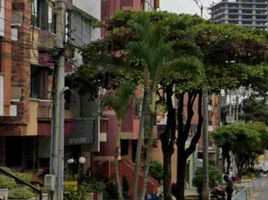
[
  {"x": 249, "y": 13},
  {"x": 26, "y": 80}
]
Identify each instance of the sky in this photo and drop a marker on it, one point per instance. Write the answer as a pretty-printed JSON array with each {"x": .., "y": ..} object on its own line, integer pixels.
[{"x": 185, "y": 6}]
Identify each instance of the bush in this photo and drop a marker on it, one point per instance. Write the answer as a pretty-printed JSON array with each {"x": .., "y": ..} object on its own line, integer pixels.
[
  {"x": 25, "y": 177},
  {"x": 7, "y": 183},
  {"x": 110, "y": 191},
  {"x": 21, "y": 193},
  {"x": 215, "y": 178},
  {"x": 75, "y": 195},
  {"x": 95, "y": 186},
  {"x": 156, "y": 169}
]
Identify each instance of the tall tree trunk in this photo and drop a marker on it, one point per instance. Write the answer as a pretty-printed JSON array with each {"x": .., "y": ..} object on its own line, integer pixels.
[
  {"x": 167, "y": 141},
  {"x": 149, "y": 147},
  {"x": 116, "y": 162},
  {"x": 184, "y": 127},
  {"x": 167, "y": 176},
  {"x": 145, "y": 110},
  {"x": 181, "y": 170}
]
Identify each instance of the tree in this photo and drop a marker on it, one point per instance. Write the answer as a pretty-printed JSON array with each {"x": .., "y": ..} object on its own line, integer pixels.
[
  {"x": 118, "y": 100},
  {"x": 204, "y": 57},
  {"x": 245, "y": 140},
  {"x": 255, "y": 110},
  {"x": 151, "y": 51},
  {"x": 215, "y": 179},
  {"x": 227, "y": 62}
]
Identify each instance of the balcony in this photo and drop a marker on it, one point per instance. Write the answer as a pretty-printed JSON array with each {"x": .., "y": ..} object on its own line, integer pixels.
[
  {"x": 82, "y": 131},
  {"x": 44, "y": 110}
]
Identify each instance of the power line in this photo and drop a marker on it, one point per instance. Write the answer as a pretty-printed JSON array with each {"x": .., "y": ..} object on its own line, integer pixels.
[
  {"x": 25, "y": 20},
  {"x": 201, "y": 7}
]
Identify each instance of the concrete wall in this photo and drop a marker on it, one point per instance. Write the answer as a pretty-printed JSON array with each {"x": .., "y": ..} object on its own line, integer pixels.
[{"x": 92, "y": 7}]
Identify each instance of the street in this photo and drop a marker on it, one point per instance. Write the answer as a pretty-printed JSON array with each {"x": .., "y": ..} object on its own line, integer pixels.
[{"x": 262, "y": 191}]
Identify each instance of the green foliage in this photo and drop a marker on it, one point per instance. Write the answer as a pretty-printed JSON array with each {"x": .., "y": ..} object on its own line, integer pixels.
[
  {"x": 111, "y": 191},
  {"x": 246, "y": 141},
  {"x": 24, "y": 176},
  {"x": 95, "y": 186},
  {"x": 75, "y": 195},
  {"x": 21, "y": 193},
  {"x": 125, "y": 186},
  {"x": 119, "y": 99},
  {"x": 150, "y": 47},
  {"x": 215, "y": 178},
  {"x": 6, "y": 182},
  {"x": 188, "y": 71},
  {"x": 255, "y": 110},
  {"x": 156, "y": 169}
]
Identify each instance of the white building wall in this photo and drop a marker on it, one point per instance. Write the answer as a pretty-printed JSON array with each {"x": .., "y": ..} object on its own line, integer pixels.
[
  {"x": 2, "y": 17},
  {"x": 91, "y": 7}
]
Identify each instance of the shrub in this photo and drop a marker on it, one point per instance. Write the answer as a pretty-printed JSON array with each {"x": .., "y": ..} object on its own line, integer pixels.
[
  {"x": 7, "y": 182},
  {"x": 125, "y": 186},
  {"x": 21, "y": 193},
  {"x": 156, "y": 169},
  {"x": 95, "y": 186},
  {"x": 25, "y": 177},
  {"x": 215, "y": 178},
  {"x": 110, "y": 191},
  {"x": 75, "y": 195}
]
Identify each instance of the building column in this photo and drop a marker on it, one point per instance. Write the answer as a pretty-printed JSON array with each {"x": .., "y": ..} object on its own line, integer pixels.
[
  {"x": 2, "y": 150},
  {"x": 6, "y": 60}
]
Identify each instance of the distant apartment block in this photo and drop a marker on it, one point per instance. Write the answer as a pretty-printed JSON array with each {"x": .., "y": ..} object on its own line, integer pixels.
[{"x": 248, "y": 13}]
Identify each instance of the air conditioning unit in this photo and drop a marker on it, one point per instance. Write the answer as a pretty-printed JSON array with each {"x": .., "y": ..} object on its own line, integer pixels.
[{"x": 49, "y": 182}]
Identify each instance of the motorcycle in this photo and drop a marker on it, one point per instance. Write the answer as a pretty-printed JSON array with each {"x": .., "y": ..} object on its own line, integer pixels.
[{"x": 218, "y": 194}]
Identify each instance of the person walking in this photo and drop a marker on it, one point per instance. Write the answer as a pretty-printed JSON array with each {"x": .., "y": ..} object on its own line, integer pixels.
[{"x": 229, "y": 188}]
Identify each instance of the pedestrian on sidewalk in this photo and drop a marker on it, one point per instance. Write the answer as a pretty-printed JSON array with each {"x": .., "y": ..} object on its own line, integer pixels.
[{"x": 229, "y": 188}]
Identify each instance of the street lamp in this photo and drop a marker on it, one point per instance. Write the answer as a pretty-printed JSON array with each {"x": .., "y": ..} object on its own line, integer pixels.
[{"x": 82, "y": 160}]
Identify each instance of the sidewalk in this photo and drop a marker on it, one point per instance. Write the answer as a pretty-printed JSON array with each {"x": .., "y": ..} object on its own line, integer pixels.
[{"x": 247, "y": 188}]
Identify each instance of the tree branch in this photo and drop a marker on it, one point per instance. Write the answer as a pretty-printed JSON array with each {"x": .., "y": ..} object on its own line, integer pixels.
[
  {"x": 190, "y": 114},
  {"x": 180, "y": 98},
  {"x": 198, "y": 132}
]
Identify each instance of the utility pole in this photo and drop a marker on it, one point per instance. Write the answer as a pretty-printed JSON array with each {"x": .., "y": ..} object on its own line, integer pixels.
[
  {"x": 57, "y": 136},
  {"x": 205, "y": 191}
]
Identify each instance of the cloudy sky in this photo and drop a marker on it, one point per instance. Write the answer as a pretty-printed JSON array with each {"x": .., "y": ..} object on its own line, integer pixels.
[{"x": 185, "y": 6}]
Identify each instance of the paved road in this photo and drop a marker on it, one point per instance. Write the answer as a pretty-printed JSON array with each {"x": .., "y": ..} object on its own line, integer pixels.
[{"x": 262, "y": 191}]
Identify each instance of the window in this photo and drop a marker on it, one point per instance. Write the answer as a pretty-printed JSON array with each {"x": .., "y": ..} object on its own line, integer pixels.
[
  {"x": 246, "y": 17},
  {"x": 39, "y": 82},
  {"x": 124, "y": 147},
  {"x": 247, "y": 11},
  {"x": 233, "y": 11},
  {"x": 232, "y": 22},
  {"x": 43, "y": 15},
  {"x": 247, "y": 22}
]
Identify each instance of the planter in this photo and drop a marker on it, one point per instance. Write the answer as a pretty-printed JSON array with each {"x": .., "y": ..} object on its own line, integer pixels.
[
  {"x": 94, "y": 196},
  {"x": 90, "y": 196},
  {"x": 3, "y": 194}
]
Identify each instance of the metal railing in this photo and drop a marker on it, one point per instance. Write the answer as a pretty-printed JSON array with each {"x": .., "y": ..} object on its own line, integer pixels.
[{"x": 19, "y": 180}]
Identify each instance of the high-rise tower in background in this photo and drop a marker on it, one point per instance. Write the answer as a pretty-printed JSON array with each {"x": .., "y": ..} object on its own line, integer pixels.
[{"x": 249, "y": 13}]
